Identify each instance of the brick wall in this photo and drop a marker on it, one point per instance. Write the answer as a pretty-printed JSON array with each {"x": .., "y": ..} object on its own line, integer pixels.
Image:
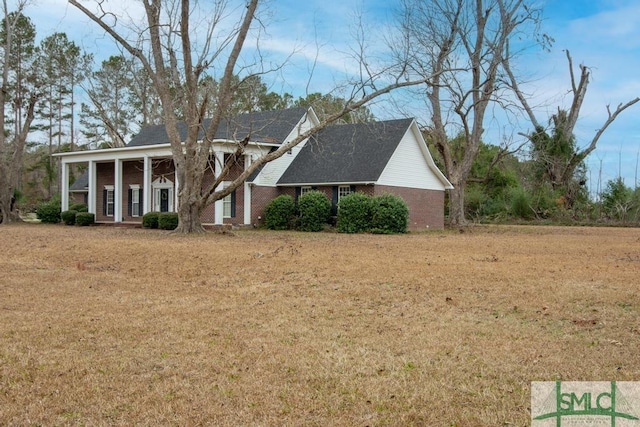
[
  {"x": 105, "y": 176},
  {"x": 260, "y": 197},
  {"x": 132, "y": 174},
  {"x": 426, "y": 207}
]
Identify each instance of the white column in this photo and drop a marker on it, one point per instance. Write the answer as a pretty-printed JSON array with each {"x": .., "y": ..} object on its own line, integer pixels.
[
  {"x": 146, "y": 185},
  {"x": 248, "y": 158},
  {"x": 219, "y": 205},
  {"x": 176, "y": 186},
  {"x": 92, "y": 187},
  {"x": 64, "y": 186},
  {"x": 117, "y": 191}
]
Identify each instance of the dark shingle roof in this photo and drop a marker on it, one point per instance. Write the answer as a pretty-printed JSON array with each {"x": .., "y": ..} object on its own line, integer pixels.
[
  {"x": 81, "y": 183},
  {"x": 346, "y": 153},
  {"x": 265, "y": 126}
]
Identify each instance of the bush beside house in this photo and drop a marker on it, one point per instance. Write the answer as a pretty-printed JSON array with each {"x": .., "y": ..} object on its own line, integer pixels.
[
  {"x": 315, "y": 209},
  {"x": 69, "y": 217},
  {"x": 85, "y": 218},
  {"x": 390, "y": 215},
  {"x": 279, "y": 213},
  {"x": 354, "y": 213},
  {"x": 383, "y": 214},
  {"x": 150, "y": 220},
  {"x": 167, "y": 220}
]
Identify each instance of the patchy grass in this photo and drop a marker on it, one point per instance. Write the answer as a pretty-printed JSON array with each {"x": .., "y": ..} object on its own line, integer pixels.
[{"x": 108, "y": 326}]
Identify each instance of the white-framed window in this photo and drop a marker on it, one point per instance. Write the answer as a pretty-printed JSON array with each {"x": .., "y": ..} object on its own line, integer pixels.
[
  {"x": 109, "y": 200},
  {"x": 304, "y": 190},
  {"x": 343, "y": 190},
  {"x": 226, "y": 207},
  {"x": 134, "y": 208},
  {"x": 229, "y": 203}
]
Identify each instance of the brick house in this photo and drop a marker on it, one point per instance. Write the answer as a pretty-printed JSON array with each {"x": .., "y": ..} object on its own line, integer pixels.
[{"x": 122, "y": 184}]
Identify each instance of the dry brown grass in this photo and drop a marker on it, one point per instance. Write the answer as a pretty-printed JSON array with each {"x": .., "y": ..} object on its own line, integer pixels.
[{"x": 107, "y": 326}]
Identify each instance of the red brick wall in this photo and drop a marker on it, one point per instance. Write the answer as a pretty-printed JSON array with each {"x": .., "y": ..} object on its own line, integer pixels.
[
  {"x": 105, "y": 176},
  {"x": 209, "y": 214},
  {"x": 132, "y": 174},
  {"x": 260, "y": 197},
  {"x": 426, "y": 207}
]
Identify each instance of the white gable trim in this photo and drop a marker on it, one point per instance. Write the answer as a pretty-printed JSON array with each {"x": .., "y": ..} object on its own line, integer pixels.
[
  {"x": 412, "y": 166},
  {"x": 272, "y": 171}
]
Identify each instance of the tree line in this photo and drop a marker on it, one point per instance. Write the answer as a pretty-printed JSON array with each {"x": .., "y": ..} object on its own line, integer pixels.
[{"x": 455, "y": 56}]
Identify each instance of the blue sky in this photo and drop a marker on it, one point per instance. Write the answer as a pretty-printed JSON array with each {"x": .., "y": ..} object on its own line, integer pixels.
[{"x": 602, "y": 34}]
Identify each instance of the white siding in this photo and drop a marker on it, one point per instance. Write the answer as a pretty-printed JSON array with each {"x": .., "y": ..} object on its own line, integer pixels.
[
  {"x": 409, "y": 166},
  {"x": 272, "y": 171}
]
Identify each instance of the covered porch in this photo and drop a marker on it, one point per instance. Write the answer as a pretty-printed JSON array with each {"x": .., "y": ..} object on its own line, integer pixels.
[{"x": 125, "y": 183}]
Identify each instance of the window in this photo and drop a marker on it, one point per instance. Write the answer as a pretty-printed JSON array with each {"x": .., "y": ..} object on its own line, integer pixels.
[
  {"x": 305, "y": 190},
  {"x": 344, "y": 190},
  {"x": 229, "y": 204},
  {"x": 109, "y": 199},
  {"x": 135, "y": 201}
]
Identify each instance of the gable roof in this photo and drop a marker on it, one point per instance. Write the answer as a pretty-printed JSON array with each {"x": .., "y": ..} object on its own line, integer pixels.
[
  {"x": 270, "y": 127},
  {"x": 350, "y": 153},
  {"x": 81, "y": 183}
]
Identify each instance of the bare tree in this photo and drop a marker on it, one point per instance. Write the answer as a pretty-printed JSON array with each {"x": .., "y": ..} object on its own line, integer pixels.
[
  {"x": 561, "y": 168},
  {"x": 177, "y": 68},
  {"x": 462, "y": 44},
  {"x": 19, "y": 97}
]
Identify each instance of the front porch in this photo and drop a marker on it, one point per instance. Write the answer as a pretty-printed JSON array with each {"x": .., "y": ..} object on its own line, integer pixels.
[{"x": 125, "y": 183}]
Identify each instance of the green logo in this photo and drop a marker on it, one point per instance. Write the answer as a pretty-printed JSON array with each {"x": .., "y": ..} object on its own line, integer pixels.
[{"x": 585, "y": 403}]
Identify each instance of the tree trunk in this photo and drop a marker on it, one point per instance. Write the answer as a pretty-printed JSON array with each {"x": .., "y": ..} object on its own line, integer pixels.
[
  {"x": 7, "y": 206},
  {"x": 456, "y": 205},
  {"x": 189, "y": 210}
]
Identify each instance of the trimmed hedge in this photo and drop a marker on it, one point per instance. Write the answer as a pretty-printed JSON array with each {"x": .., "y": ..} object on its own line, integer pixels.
[
  {"x": 49, "y": 212},
  {"x": 390, "y": 215},
  {"x": 315, "y": 210},
  {"x": 355, "y": 212},
  {"x": 167, "y": 220},
  {"x": 79, "y": 207},
  {"x": 85, "y": 218},
  {"x": 150, "y": 220},
  {"x": 69, "y": 217},
  {"x": 279, "y": 213}
]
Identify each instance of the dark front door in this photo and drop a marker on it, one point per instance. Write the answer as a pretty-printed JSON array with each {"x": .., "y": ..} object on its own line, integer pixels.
[{"x": 164, "y": 200}]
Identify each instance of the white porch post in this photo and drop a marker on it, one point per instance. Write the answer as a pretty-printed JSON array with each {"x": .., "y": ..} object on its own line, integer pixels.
[
  {"x": 248, "y": 158},
  {"x": 117, "y": 191},
  {"x": 219, "y": 204},
  {"x": 93, "y": 189},
  {"x": 176, "y": 184},
  {"x": 146, "y": 185},
  {"x": 64, "y": 185}
]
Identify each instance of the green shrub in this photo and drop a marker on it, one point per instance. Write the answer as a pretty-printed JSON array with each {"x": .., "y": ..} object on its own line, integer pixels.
[
  {"x": 167, "y": 220},
  {"x": 69, "y": 217},
  {"x": 520, "y": 204},
  {"x": 49, "y": 212},
  {"x": 315, "y": 210},
  {"x": 355, "y": 213},
  {"x": 150, "y": 220},
  {"x": 85, "y": 218},
  {"x": 279, "y": 213},
  {"x": 390, "y": 214},
  {"x": 79, "y": 207}
]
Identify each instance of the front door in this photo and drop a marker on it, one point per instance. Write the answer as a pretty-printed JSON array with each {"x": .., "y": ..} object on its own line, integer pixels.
[{"x": 164, "y": 200}]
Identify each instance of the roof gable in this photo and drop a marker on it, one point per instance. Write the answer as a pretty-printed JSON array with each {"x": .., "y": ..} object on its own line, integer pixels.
[
  {"x": 269, "y": 127},
  {"x": 347, "y": 153},
  {"x": 411, "y": 165}
]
